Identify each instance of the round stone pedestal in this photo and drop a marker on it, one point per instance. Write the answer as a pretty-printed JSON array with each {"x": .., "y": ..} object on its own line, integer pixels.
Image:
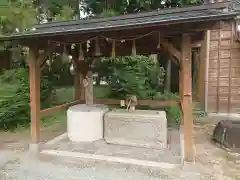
[{"x": 85, "y": 122}]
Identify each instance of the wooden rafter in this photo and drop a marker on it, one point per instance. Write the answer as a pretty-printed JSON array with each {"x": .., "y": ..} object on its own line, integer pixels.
[
  {"x": 175, "y": 52},
  {"x": 172, "y": 50}
]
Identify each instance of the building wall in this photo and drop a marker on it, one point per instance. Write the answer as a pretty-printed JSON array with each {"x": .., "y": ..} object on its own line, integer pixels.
[{"x": 224, "y": 70}]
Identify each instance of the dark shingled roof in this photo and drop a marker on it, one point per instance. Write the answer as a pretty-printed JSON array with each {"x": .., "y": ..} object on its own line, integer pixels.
[{"x": 207, "y": 12}]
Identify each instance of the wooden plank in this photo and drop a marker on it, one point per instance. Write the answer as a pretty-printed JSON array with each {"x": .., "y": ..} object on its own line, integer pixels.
[
  {"x": 187, "y": 97},
  {"x": 34, "y": 76},
  {"x": 153, "y": 103}
]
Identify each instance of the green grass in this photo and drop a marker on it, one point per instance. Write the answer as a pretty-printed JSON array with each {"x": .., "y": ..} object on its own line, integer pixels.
[
  {"x": 59, "y": 117},
  {"x": 65, "y": 95}
]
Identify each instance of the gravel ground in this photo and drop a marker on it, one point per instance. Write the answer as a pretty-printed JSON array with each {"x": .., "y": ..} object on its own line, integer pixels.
[
  {"x": 212, "y": 163},
  {"x": 21, "y": 166}
]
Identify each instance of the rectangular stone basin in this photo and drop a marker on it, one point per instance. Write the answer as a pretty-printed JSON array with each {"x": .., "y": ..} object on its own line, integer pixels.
[{"x": 140, "y": 128}]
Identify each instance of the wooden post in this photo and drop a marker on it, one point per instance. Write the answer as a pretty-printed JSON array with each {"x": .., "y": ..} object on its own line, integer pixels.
[
  {"x": 82, "y": 89},
  {"x": 181, "y": 91},
  {"x": 168, "y": 75},
  {"x": 34, "y": 75},
  {"x": 89, "y": 89},
  {"x": 77, "y": 82},
  {"x": 195, "y": 75},
  {"x": 186, "y": 76},
  {"x": 201, "y": 75}
]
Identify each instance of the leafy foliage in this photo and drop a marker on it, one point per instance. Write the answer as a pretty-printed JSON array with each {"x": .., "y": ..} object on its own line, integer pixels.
[
  {"x": 173, "y": 115},
  {"x": 14, "y": 97},
  {"x": 17, "y": 16},
  {"x": 66, "y": 13},
  {"x": 58, "y": 72},
  {"x": 139, "y": 75},
  {"x": 55, "y": 7},
  {"x": 132, "y": 6}
]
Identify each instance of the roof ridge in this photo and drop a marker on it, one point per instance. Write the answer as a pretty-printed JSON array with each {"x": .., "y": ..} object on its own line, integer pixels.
[{"x": 220, "y": 5}]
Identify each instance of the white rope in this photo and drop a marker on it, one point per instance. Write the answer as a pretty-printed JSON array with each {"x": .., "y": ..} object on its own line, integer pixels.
[
  {"x": 110, "y": 38},
  {"x": 129, "y": 39}
]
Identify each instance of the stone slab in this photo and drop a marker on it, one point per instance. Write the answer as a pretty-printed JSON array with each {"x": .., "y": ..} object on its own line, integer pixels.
[{"x": 140, "y": 128}]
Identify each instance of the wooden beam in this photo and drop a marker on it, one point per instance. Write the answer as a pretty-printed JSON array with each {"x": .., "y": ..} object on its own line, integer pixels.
[
  {"x": 152, "y": 103},
  {"x": 34, "y": 76},
  {"x": 62, "y": 107},
  {"x": 172, "y": 50},
  {"x": 186, "y": 73}
]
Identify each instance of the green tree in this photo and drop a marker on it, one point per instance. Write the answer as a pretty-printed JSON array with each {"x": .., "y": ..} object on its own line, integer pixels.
[
  {"x": 139, "y": 75},
  {"x": 17, "y": 16},
  {"x": 132, "y": 6},
  {"x": 66, "y": 13}
]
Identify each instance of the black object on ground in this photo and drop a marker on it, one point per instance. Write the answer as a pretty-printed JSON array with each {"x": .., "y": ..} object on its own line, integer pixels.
[{"x": 227, "y": 133}]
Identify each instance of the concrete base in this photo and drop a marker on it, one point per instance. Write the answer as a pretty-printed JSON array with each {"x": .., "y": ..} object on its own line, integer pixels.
[
  {"x": 85, "y": 122},
  {"x": 112, "y": 159},
  {"x": 100, "y": 151},
  {"x": 182, "y": 144},
  {"x": 35, "y": 148}
]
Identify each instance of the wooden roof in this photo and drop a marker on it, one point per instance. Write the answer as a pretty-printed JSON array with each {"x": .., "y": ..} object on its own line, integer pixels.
[{"x": 207, "y": 12}]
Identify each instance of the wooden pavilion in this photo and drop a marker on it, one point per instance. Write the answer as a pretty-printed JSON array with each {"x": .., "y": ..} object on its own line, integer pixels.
[{"x": 175, "y": 30}]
